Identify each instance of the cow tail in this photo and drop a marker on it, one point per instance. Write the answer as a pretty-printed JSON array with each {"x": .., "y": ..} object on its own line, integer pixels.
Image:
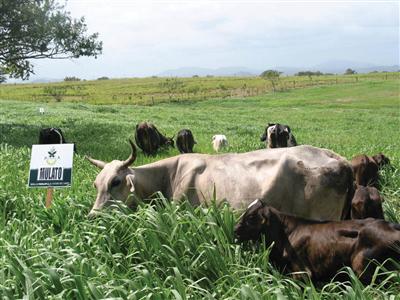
[{"x": 346, "y": 213}]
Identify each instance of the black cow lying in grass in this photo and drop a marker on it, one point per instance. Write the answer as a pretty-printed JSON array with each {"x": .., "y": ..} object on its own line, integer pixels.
[{"x": 322, "y": 248}]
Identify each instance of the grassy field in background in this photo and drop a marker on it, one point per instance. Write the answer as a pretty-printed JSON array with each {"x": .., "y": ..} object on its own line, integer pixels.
[
  {"x": 171, "y": 251},
  {"x": 153, "y": 90}
]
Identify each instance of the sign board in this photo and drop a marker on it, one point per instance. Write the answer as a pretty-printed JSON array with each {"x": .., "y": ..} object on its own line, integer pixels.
[{"x": 51, "y": 165}]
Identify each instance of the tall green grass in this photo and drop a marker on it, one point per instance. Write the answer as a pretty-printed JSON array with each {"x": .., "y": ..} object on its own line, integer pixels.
[{"x": 173, "y": 250}]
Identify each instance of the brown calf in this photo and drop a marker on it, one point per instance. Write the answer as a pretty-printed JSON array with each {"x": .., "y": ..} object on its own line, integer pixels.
[
  {"x": 365, "y": 168},
  {"x": 322, "y": 248},
  {"x": 366, "y": 203}
]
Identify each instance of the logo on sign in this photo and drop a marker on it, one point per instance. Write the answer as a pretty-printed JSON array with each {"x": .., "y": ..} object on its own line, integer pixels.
[{"x": 51, "y": 159}]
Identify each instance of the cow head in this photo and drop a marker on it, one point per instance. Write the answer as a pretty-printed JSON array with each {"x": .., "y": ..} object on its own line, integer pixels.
[
  {"x": 381, "y": 160},
  {"x": 170, "y": 141},
  {"x": 366, "y": 203},
  {"x": 258, "y": 220},
  {"x": 250, "y": 224},
  {"x": 278, "y": 135},
  {"x": 114, "y": 182}
]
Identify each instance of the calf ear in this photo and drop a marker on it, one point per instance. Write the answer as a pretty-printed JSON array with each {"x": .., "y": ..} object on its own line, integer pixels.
[{"x": 131, "y": 179}]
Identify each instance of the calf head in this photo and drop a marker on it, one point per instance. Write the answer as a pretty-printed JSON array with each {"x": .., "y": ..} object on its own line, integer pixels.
[
  {"x": 170, "y": 141},
  {"x": 366, "y": 203},
  {"x": 381, "y": 160},
  {"x": 114, "y": 182},
  {"x": 259, "y": 220}
]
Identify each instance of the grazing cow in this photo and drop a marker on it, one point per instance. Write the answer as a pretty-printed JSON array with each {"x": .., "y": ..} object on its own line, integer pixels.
[
  {"x": 307, "y": 181},
  {"x": 149, "y": 139},
  {"x": 366, "y": 168},
  {"x": 219, "y": 141},
  {"x": 51, "y": 135},
  {"x": 366, "y": 203},
  {"x": 321, "y": 248},
  {"x": 277, "y": 136},
  {"x": 185, "y": 141}
]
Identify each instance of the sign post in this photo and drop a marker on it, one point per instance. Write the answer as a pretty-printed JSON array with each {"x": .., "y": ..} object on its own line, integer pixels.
[
  {"x": 49, "y": 196},
  {"x": 51, "y": 166}
]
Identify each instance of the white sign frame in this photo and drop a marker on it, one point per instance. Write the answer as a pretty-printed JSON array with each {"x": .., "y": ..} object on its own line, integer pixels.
[{"x": 51, "y": 165}]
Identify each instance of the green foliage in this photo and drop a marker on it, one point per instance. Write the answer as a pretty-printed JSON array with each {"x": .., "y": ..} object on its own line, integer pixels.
[
  {"x": 349, "y": 72},
  {"x": 170, "y": 250},
  {"x": 103, "y": 78},
  {"x": 309, "y": 73},
  {"x": 71, "y": 78},
  {"x": 172, "y": 84},
  {"x": 3, "y": 77},
  {"x": 272, "y": 76},
  {"x": 57, "y": 92},
  {"x": 40, "y": 29}
]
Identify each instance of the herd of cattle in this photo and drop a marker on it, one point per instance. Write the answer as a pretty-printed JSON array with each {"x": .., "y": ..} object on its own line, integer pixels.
[{"x": 318, "y": 211}]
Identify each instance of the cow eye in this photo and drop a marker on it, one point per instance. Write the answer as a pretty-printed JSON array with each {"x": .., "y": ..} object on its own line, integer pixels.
[{"x": 115, "y": 182}]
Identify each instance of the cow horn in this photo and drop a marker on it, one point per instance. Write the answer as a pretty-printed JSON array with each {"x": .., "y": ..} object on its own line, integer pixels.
[
  {"x": 131, "y": 157},
  {"x": 98, "y": 163}
]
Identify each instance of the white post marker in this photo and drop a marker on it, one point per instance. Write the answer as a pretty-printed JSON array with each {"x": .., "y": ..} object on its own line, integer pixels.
[{"x": 51, "y": 166}]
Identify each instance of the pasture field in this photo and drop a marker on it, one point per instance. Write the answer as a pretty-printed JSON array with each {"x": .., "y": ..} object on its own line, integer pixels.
[
  {"x": 169, "y": 250},
  {"x": 153, "y": 90}
]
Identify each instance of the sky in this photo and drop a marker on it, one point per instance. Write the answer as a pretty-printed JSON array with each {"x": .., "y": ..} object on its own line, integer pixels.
[{"x": 144, "y": 38}]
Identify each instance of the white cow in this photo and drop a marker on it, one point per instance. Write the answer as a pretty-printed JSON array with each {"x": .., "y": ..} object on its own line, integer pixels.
[
  {"x": 219, "y": 141},
  {"x": 306, "y": 181}
]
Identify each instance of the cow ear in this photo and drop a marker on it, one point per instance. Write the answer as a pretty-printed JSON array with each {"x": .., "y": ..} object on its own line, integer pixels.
[{"x": 131, "y": 179}]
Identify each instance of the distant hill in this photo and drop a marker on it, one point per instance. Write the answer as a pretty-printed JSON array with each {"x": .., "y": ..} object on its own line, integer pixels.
[{"x": 227, "y": 71}]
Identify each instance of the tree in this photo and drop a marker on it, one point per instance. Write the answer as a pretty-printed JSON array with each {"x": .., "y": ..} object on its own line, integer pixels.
[
  {"x": 2, "y": 76},
  {"x": 34, "y": 29},
  {"x": 350, "y": 72},
  {"x": 72, "y": 78},
  {"x": 57, "y": 92},
  {"x": 272, "y": 76}
]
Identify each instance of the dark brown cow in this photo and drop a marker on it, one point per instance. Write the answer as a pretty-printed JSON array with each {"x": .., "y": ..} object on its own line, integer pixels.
[
  {"x": 149, "y": 139},
  {"x": 185, "y": 141},
  {"x": 51, "y": 135},
  {"x": 366, "y": 168},
  {"x": 322, "y": 248},
  {"x": 366, "y": 203},
  {"x": 277, "y": 136}
]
